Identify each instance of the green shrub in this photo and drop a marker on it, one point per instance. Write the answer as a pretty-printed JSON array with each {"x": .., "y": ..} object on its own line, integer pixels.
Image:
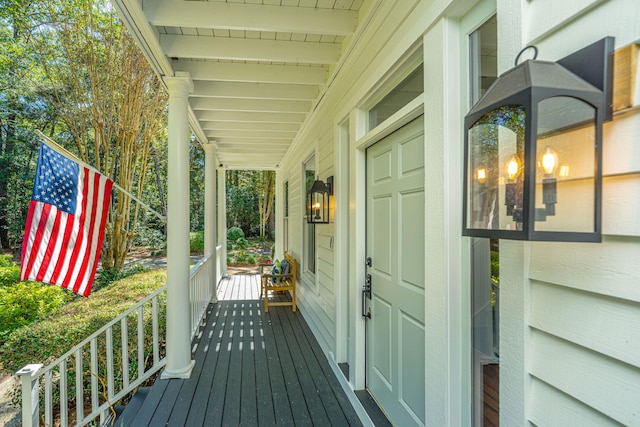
[
  {"x": 5, "y": 261},
  {"x": 251, "y": 259},
  {"x": 234, "y": 233},
  {"x": 242, "y": 242},
  {"x": 46, "y": 340},
  {"x": 229, "y": 245},
  {"x": 106, "y": 277},
  {"x": 196, "y": 243},
  {"x": 26, "y": 302},
  {"x": 9, "y": 276},
  {"x": 495, "y": 266}
]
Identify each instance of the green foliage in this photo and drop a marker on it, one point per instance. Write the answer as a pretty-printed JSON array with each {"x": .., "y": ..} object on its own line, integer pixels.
[
  {"x": 47, "y": 340},
  {"x": 9, "y": 271},
  {"x": 196, "y": 242},
  {"x": 26, "y": 302},
  {"x": 106, "y": 277},
  {"x": 242, "y": 242},
  {"x": 495, "y": 266},
  {"x": 234, "y": 233}
]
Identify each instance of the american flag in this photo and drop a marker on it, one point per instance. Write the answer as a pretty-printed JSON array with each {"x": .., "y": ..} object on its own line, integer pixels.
[{"x": 65, "y": 223}]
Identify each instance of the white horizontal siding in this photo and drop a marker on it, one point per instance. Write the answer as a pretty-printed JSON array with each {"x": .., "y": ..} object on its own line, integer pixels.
[
  {"x": 609, "y": 326},
  {"x": 606, "y": 385},
  {"x": 551, "y": 407}
]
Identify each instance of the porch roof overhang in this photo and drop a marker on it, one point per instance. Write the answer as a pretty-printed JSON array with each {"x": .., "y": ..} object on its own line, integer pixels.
[{"x": 259, "y": 70}]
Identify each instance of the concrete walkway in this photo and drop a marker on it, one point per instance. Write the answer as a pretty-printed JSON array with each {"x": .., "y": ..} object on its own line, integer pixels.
[{"x": 9, "y": 415}]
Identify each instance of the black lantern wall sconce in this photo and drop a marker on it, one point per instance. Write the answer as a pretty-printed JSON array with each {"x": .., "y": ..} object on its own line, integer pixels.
[
  {"x": 318, "y": 201},
  {"x": 533, "y": 150}
]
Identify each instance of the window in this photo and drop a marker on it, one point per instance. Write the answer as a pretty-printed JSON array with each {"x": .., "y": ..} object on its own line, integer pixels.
[
  {"x": 401, "y": 95},
  {"x": 309, "y": 233},
  {"x": 485, "y": 258}
]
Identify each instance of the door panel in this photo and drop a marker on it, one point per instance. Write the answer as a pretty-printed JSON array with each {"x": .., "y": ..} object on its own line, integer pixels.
[{"x": 395, "y": 243}]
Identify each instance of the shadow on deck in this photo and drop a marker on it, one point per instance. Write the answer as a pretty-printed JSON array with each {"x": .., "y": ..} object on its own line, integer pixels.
[{"x": 252, "y": 368}]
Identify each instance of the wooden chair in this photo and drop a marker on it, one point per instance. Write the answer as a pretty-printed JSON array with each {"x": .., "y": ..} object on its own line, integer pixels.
[{"x": 279, "y": 282}]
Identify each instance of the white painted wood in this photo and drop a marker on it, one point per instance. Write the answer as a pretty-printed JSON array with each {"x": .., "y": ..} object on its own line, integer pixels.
[
  {"x": 79, "y": 384},
  {"x": 155, "y": 334},
  {"x": 609, "y": 269},
  {"x": 235, "y": 116},
  {"x": 64, "y": 394},
  {"x": 610, "y": 326},
  {"x": 48, "y": 399},
  {"x": 179, "y": 363},
  {"x": 124, "y": 338},
  {"x": 249, "y": 49},
  {"x": 549, "y": 406},
  {"x": 233, "y": 104},
  {"x": 110, "y": 372},
  {"x": 140, "y": 337},
  {"x": 266, "y": 138},
  {"x": 222, "y": 220},
  {"x": 609, "y": 387},
  {"x": 251, "y": 126},
  {"x": 259, "y": 73},
  {"x": 620, "y": 205},
  {"x": 396, "y": 243},
  {"x": 93, "y": 353},
  {"x": 211, "y": 218},
  {"x": 540, "y": 22},
  {"x": 175, "y": 13},
  {"x": 245, "y": 90}
]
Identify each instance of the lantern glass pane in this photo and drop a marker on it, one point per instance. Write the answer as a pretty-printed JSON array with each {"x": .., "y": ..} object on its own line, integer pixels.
[
  {"x": 565, "y": 172},
  {"x": 495, "y": 175}
]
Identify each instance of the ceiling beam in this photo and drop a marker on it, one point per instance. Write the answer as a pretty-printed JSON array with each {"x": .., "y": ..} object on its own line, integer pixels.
[
  {"x": 259, "y": 73},
  {"x": 250, "y": 17},
  {"x": 251, "y": 150},
  {"x": 175, "y": 46},
  {"x": 255, "y": 91},
  {"x": 248, "y": 141},
  {"x": 263, "y": 127},
  {"x": 232, "y": 104},
  {"x": 222, "y": 134},
  {"x": 239, "y": 116}
]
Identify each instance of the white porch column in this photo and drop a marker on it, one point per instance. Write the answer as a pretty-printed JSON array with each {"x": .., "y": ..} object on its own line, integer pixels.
[
  {"x": 210, "y": 214},
  {"x": 179, "y": 363},
  {"x": 222, "y": 218}
]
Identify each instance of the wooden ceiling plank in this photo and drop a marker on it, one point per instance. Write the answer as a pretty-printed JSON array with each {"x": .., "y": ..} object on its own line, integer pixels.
[
  {"x": 176, "y": 46},
  {"x": 259, "y": 73},
  {"x": 255, "y": 91},
  {"x": 251, "y": 17}
]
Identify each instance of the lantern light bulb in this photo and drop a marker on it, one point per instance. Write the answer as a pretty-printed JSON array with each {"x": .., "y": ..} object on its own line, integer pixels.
[
  {"x": 481, "y": 175},
  {"x": 513, "y": 167},
  {"x": 549, "y": 161}
]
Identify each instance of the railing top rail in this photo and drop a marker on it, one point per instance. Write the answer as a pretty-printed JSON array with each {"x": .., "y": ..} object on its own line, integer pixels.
[
  {"x": 101, "y": 330},
  {"x": 195, "y": 268}
]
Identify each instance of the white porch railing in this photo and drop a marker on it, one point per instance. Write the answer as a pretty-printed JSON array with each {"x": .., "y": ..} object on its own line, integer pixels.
[
  {"x": 200, "y": 292},
  {"x": 100, "y": 370}
]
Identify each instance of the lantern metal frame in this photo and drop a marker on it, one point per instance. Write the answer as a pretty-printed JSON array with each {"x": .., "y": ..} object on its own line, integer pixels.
[
  {"x": 319, "y": 214},
  {"x": 586, "y": 75}
]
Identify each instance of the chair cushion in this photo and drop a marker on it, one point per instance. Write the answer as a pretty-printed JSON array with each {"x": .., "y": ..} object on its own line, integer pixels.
[{"x": 285, "y": 266}]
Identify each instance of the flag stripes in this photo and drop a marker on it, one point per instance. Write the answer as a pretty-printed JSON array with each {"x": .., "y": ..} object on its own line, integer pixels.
[{"x": 63, "y": 238}]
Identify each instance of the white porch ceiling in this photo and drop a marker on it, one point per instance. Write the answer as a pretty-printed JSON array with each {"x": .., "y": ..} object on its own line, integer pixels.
[{"x": 258, "y": 66}]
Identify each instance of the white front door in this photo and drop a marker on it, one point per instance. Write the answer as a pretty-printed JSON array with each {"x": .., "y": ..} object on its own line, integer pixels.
[{"x": 395, "y": 244}]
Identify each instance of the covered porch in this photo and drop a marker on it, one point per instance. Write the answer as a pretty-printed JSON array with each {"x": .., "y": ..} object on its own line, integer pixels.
[{"x": 251, "y": 368}]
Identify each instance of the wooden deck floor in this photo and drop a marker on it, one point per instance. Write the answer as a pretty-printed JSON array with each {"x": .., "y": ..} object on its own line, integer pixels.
[{"x": 252, "y": 369}]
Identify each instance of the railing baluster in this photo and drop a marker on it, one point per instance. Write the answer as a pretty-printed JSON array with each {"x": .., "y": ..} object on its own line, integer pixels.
[
  {"x": 124, "y": 336},
  {"x": 30, "y": 394},
  {"x": 79, "y": 387},
  {"x": 64, "y": 398},
  {"x": 109, "y": 350},
  {"x": 156, "y": 345},
  {"x": 48, "y": 398},
  {"x": 94, "y": 375},
  {"x": 140, "y": 341}
]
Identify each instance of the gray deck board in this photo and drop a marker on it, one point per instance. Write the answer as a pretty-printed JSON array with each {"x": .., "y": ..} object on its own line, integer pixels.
[{"x": 252, "y": 369}]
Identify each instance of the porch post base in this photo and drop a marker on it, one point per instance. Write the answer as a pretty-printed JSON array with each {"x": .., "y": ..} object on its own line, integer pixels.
[{"x": 182, "y": 374}]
